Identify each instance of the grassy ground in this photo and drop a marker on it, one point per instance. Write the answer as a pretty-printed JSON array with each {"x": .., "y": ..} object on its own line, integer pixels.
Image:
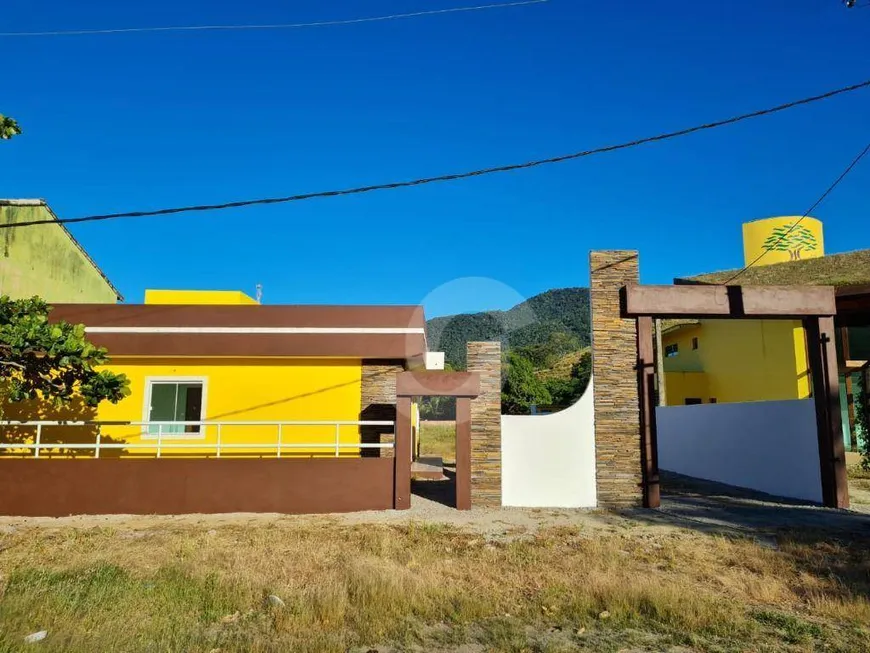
[
  {"x": 438, "y": 439},
  {"x": 429, "y": 588}
]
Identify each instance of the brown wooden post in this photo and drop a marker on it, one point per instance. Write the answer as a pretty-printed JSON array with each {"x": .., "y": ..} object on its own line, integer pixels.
[
  {"x": 646, "y": 370},
  {"x": 463, "y": 453},
  {"x": 402, "y": 487},
  {"x": 826, "y": 393}
]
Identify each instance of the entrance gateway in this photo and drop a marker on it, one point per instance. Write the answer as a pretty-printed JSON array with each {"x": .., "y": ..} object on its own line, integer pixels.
[{"x": 815, "y": 306}]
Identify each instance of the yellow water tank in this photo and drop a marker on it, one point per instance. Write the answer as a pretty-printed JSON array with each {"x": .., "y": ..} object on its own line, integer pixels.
[
  {"x": 210, "y": 297},
  {"x": 787, "y": 238}
]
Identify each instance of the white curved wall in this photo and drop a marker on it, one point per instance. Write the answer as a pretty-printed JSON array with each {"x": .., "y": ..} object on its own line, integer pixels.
[{"x": 548, "y": 461}]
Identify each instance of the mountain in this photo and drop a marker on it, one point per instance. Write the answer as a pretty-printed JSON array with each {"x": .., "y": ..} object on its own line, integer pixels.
[{"x": 533, "y": 322}]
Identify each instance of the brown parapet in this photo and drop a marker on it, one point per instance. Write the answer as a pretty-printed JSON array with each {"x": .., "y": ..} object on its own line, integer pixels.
[{"x": 57, "y": 488}]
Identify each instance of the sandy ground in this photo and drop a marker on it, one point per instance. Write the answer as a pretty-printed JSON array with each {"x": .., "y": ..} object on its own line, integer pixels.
[{"x": 686, "y": 504}]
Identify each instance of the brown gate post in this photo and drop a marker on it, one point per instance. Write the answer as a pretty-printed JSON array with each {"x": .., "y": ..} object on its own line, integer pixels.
[
  {"x": 646, "y": 371},
  {"x": 402, "y": 459},
  {"x": 463, "y": 453},
  {"x": 826, "y": 393}
]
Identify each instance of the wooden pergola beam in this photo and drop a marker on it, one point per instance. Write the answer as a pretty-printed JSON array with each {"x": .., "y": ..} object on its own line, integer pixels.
[
  {"x": 434, "y": 383},
  {"x": 728, "y": 301}
]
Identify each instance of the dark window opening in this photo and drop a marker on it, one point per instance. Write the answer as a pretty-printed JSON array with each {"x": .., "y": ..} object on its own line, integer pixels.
[
  {"x": 694, "y": 343},
  {"x": 672, "y": 350},
  {"x": 693, "y": 401}
]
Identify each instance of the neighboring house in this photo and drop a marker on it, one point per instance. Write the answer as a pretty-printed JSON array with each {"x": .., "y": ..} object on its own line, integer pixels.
[
  {"x": 222, "y": 358},
  {"x": 46, "y": 260},
  {"x": 709, "y": 361}
]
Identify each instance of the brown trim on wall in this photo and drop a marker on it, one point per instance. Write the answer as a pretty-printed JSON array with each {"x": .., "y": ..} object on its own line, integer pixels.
[
  {"x": 157, "y": 315},
  {"x": 393, "y": 346},
  {"x": 56, "y": 488}
]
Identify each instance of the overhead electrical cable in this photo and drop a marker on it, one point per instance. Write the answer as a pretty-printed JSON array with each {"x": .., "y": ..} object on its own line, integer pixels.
[
  {"x": 321, "y": 23},
  {"x": 448, "y": 177}
]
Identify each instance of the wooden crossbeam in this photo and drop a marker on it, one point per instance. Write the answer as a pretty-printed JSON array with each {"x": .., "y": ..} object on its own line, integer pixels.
[{"x": 728, "y": 301}]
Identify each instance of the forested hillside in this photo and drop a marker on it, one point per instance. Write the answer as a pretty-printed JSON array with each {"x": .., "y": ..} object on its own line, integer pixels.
[
  {"x": 545, "y": 339},
  {"x": 534, "y": 322}
]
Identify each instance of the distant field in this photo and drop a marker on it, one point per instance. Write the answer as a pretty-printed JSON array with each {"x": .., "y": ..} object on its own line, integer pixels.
[{"x": 438, "y": 438}]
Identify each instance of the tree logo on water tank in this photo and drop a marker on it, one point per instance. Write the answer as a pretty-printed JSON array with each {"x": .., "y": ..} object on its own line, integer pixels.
[{"x": 791, "y": 238}]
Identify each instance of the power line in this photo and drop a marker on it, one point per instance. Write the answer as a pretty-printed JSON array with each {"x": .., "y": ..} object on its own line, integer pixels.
[
  {"x": 449, "y": 177},
  {"x": 322, "y": 23},
  {"x": 805, "y": 215}
]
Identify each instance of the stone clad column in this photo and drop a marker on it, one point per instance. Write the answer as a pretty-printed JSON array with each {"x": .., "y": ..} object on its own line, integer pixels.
[
  {"x": 484, "y": 358},
  {"x": 614, "y": 360},
  {"x": 378, "y": 403}
]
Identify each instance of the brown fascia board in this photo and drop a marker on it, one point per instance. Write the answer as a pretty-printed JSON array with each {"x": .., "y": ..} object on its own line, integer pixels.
[{"x": 135, "y": 330}]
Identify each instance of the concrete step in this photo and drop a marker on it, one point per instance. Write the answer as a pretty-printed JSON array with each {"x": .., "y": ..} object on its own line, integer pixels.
[{"x": 430, "y": 468}]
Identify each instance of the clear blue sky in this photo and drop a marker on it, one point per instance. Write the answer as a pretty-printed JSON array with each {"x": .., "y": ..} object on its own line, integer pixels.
[{"x": 142, "y": 121}]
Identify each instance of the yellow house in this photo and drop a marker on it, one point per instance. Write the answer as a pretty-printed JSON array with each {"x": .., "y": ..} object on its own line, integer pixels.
[
  {"x": 709, "y": 361},
  {"x": 218, "y": 374}
]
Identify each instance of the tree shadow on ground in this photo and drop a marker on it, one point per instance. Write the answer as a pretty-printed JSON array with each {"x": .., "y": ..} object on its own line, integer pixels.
[{"x": 829, "y": 544}]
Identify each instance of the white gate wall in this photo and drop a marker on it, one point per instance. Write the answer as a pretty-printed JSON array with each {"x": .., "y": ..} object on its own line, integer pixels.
[
  {"x": 769, "y": 446},
  {"x": 548, "y": 461}
]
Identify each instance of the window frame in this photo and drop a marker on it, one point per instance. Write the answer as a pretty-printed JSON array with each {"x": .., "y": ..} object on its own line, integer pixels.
[
  {"x": 150, "y": 381},
  {"x": 672, "y": 350}
]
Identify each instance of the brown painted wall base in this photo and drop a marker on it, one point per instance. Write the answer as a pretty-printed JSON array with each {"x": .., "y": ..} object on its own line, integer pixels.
[{"x": 56, "y": 488}]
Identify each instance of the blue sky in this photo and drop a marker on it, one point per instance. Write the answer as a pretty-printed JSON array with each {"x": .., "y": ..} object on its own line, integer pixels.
[{"x": 143, "y": 121}]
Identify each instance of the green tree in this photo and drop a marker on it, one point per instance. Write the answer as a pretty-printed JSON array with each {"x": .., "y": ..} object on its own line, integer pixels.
[
  {"x": 862, "y": 421},
  {"x": 8, "y": 128},
  {"x": 521, "y": 388},
  {"x": 53, "y": 362},
  {"x": 565, "y": 392},
  {"x": 547, "y": 353}
]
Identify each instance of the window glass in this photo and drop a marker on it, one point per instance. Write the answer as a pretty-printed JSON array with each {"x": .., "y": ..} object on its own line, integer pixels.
[{"x": 175, "y": 402}]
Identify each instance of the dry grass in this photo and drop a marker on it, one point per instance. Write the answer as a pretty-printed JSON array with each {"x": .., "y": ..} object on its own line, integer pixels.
[
  {"x": 847, "y": 269},
  {"x": 438, "y": 439},
  {"x": 188, "y": 589}
]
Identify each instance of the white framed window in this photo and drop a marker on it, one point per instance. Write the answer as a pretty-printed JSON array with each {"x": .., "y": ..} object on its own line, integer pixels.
[{"x": 175, "y": 399}]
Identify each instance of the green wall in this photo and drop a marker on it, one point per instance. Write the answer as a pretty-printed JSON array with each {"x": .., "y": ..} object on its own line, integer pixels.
[{"x": 44, "y": 260}]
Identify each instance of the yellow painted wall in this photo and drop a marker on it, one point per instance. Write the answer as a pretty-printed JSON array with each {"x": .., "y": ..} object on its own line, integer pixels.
[
  {"x": 211, "y": 297},
  {"x": 680, "y": 385},
  {"x": 236, "y": 390},
  {"x": 804, "y": 240},
  {"x": 741, "y": 360}
]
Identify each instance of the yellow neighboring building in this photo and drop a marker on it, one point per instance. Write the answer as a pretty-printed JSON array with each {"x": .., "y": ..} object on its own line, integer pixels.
[
  {"x": 254, "y": 374},
  {"x": 708, "y": 361}
]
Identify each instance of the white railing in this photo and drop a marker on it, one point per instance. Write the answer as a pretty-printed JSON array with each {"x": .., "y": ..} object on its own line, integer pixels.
[{"x": 192, "y": 438}]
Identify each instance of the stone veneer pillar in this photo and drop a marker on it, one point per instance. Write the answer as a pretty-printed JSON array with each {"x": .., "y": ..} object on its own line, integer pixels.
[
  {"x": 614, "y": 362},
  {"x": 378, "y": 403},
  {"x": 484, "y": 358}
]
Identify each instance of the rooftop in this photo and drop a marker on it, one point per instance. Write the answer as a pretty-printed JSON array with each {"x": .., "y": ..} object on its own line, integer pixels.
[
  {"x": 77, "y": 244},
  {"x": 847, "y": 269}
]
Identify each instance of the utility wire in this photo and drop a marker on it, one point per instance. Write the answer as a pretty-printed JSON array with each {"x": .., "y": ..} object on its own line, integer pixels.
[
  {"x": 805, "y": 215},
  {"x": 323, "y": 23},
  {"x": 450, "y": 177}
]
